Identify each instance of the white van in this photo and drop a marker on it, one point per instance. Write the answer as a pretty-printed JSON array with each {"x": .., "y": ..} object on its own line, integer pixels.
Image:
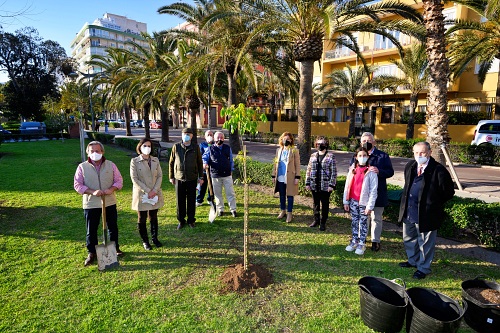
[{"x": 487, "y": 132}]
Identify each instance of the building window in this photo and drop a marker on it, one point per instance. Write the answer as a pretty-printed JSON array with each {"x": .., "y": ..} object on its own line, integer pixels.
[
  {"x": 384, "y": 43},
  {"x": 422, "y": 108}
]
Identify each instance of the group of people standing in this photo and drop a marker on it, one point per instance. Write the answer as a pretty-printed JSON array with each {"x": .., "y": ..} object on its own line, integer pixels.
[{"x": 428, "y": 186}]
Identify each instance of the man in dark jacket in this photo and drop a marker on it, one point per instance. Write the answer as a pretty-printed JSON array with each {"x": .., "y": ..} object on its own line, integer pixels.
[
  {"x": 185, "y": 172},
  {"x": 428, "y": 186},
  {"x": 380, "y": 163}
]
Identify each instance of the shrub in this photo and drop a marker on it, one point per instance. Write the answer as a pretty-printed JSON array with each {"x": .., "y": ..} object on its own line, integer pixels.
[
  {"x": 127, "y": 143},
  {"x": 101, "y": 137}
]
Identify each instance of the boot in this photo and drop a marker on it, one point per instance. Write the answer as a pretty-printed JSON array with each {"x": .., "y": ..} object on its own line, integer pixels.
[
  {"x": 322, "y": 226},
  {"x": 282, "y": 214},
  {"x": 143, "y": 232},
  {"x": 289, "y": 217},
  {"x": 154, "y": 233}
]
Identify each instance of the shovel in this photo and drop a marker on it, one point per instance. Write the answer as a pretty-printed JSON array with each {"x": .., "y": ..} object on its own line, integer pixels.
[
  {"x": 106, "y": 253},
  {"x": 213, "y": 211}
]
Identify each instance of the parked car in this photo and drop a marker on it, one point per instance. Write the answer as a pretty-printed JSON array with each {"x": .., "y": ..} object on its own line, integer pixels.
[
  {"x": 4, "y": 134},
  {"x": 154, "y": 125},
  {"x": 140, "y": 123},
  {"x": 34, "y": 128},
  {"x": 487, "y": 132}
]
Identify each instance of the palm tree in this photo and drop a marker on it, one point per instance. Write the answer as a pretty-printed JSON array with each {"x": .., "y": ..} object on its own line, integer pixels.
[
  {"x": 437, "y": 99},
  {"x": 414, "y": 65},
  {"x": 349, "y": 84},
  {"x": 476, "y": 41},
  {"x": 307, "y": 24}
]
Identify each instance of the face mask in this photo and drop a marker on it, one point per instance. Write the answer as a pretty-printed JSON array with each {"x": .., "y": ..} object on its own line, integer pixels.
[
  {"x": 186, "y": 138},
  {"x": 321, "y": 147},
  {"x": 368, "y": 146},
  {"x": 220, "y": 142},
  {"x": 95, "y": 156},
  {"x": 145, "y": 150},
  {"x": 363, "y": 160},
  {"x": 210, "y": 139},
  {"x": 286, "y": 143},
  {"x": 421, "y": 159}
]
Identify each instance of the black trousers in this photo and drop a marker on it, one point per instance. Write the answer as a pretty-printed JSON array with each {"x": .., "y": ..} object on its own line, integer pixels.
[
  {"x": 321, "y": 198},
  {"x": 92, "y": 219},
  {"x": 186, "y": 199}
]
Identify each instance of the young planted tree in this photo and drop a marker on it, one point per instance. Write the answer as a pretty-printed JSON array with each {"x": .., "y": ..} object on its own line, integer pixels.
[{"x": 243, "y": 120}]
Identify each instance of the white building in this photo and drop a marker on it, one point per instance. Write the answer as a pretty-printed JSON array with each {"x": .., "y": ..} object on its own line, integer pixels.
[{"x": 109, "y": 31}]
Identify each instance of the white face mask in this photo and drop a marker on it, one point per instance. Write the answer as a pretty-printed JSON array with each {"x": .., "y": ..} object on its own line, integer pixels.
[
  {"x": 421, "y": 159},
  {"x": 146, "y": 150},
  {"x": 363, "y": 160},
  {"x": 210, "y": 139},
  {"x": 95, "y": 156}
]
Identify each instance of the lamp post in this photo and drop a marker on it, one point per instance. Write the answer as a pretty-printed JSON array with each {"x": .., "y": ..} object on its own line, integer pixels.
[{"x": 209, "y": 100}]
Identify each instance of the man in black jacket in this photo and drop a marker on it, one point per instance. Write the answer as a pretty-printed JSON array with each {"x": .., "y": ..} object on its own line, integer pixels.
[{"x": 428, "y": 186}]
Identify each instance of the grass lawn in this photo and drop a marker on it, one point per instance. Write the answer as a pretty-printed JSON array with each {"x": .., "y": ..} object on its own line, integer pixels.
[{"x": 44, "y": 286}]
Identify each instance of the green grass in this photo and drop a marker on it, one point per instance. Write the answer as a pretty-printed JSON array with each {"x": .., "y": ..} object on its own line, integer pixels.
[{"x": 44, "y": 286}]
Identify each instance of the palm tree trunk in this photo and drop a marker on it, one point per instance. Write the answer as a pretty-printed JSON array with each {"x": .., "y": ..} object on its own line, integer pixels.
[
  {"x": 437, "y": 102},
  {"x": 410, "y": 127},
  {"x": 234, "y": 137},
  {"x": 352, "y": 120},
  {"x": 305, "y": 110},
  {"x": 147, "y": 107},
  {"x": 194, "y": 126},
  {"x": 128, "y": 131}
]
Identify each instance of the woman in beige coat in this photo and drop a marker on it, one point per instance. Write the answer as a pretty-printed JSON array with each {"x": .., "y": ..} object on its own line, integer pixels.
[
  {"x": 147, "y": 197},
  {"x": 286, "y": 174}
]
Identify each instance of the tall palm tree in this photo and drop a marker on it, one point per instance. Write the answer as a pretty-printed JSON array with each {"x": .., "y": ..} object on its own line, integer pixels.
[
  {"x": 476, "y": 41},
  {"x": 349, "y": 84},
  {"x": 414, "y": 66},
  {"x": 307, "y": 24},
  {"x": 437, "y": 99}
]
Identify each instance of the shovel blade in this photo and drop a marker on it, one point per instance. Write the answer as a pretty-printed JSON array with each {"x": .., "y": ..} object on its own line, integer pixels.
[
  {"x": 212, "y": 214},
  {"x": 106, "y": 256}
]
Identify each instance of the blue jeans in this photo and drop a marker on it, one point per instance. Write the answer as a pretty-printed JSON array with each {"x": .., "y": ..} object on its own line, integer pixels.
[
  {"x": 359, "y": 223},
  {"x": 284, "y": 197}
]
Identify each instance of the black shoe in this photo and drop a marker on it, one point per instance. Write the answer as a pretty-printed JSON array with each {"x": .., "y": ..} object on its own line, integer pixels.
[
  {"x": 419, "y": 275},
  {"x": 221, "y": 213},
  {"x": 90, "y": 259},
  {"x": 181, "y": 225},
  {"x": 234, "y": 213},
  {"x": 375, "y": 246},
  {"x": 322, "y": 227},
  {"x": 147, "y": 246},
  {"x": 406, "y": 264},
  {"x": 314, "y": 224},
  {"x": 191, "y": 225},
  {"x": 157, "y": 243}
]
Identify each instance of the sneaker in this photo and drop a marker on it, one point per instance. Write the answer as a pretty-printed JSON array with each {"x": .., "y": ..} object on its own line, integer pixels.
[
  {"x": 198, "y": 204},
  {"x": 233, "y": 212},
  {"x": 90, "y": 259},
  {"x": 352, "y": 246},
  {"x": 209, "y": 202},
  {"x": 360, "y": 250}
]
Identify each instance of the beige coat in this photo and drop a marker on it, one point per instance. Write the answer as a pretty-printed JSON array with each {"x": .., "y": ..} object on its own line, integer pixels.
[
  {"x": 292, "y": 171},
  {"x": 144, "y": 180}
]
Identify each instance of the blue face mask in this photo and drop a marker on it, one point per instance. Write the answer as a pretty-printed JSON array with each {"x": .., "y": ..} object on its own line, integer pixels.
[{"x": 186, "y": 138}]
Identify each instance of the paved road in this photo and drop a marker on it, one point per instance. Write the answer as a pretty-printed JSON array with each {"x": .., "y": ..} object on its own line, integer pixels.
[{"x": 478, "y": 182}]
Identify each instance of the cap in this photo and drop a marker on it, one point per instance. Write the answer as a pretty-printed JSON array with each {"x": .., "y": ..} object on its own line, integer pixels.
[{"x": 187, "y": 130}]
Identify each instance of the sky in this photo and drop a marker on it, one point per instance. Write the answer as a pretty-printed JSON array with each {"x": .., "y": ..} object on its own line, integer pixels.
[{"x": 61, "y": 20}]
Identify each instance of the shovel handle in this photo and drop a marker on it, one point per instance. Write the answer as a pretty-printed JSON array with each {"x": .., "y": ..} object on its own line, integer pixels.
[
  {"x": 209, "y": 180},
  {"x": 104, "y": 225}
]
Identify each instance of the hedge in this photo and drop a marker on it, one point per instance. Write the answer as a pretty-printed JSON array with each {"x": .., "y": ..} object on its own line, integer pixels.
[
  {"x": 462, "y": 214},
  {"x": 101, "y": 137}
]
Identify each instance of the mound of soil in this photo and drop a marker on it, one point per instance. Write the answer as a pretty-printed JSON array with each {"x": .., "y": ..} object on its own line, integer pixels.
[
  {"x": 236, "y": 279},
  {"x": 485, "y": 295}
]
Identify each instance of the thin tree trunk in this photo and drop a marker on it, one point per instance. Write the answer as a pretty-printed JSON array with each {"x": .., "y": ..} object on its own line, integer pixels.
[
  {"x": 437, "y": 102},
  {"x": 234, "y": 137},
  {"x": 164, "y": 121},
  {"x": 497, "y": 98},
  {"x": 305, "y": 108},
  {"x": 410, "y": 127},
  {"x": 194, "y": 126}
]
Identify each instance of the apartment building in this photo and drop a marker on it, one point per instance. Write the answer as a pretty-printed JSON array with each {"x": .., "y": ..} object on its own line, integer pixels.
[
  {"x": 465, "y": 94},
  {"x": 111, "y": 30}
]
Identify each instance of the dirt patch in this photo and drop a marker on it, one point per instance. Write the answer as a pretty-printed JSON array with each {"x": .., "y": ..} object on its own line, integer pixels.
[
  {"x": 236, "y": 279},
  {"x": 485, "y": 295}
]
